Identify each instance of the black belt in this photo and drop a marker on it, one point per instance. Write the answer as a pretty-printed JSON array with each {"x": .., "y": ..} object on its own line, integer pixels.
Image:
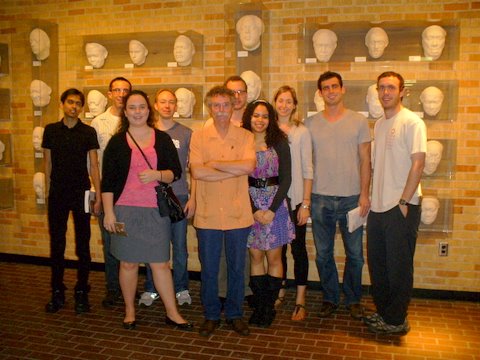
[{"x": 263, "y": 182}]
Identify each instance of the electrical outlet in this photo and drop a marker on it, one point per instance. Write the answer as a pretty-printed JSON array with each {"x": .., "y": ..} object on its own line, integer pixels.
[{"x": 443, "y": 249}]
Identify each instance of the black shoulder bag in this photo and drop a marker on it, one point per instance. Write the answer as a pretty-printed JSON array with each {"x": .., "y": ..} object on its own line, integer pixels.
[{"x": 168, "y": 204}]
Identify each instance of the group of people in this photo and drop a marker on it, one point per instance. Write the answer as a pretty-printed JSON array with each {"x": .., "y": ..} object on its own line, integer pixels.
[{"x": 257, "y": 175}]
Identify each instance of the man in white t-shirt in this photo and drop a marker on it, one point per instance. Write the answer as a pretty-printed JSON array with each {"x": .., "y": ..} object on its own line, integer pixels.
[
  {"x": 341, "y": 182},
  {"x": 106, "y": 124},
  {"x": 392, "y": 225}
]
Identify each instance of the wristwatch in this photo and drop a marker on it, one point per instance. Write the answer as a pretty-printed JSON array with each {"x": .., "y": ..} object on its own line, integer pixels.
[
  {"x": 402, "y": 202},
  {"x": 305, "y": 206}
]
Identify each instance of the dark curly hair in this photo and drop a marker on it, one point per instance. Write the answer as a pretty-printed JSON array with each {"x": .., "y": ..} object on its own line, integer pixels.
[
  {"x": 273, "y": 133},
  {"x": 124, "y": 124}
]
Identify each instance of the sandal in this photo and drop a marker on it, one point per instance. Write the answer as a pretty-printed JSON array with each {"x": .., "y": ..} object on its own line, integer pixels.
[
  {"x": 281, "y": 296},
  {"x": 300, "y": 313},
  {"x": 279, "y": 302}
]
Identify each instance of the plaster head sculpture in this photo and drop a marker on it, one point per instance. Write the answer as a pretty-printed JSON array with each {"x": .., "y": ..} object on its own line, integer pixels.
[
  {"x": 97, "y": 102},
  {"x": 324, "y": 44},
  {"x": 40, "y": 93},
  {"x": 138, "y": 52},
  {"x": 2, "y": 149},
  {"x": 185, "y": 102},
  {"x": 254, "y": 85},
  {"x": 96, "y": 54},
  {"x": 319, "y": 102},
  {"x": 183, "y": 50},
  {"x": 433, "y": 41},
  {"x": 375, "y": 107},
  {"x": 430, "y": 207},
  {"x": 40, "y": 43},
  {"x": 376, "y": 41},
  {"x": 250, "y": 29},
  {"x": 431, "y": 99},
  {"x": 37, "y": 138},
  {"x": 39, "y": 185},
  {"x": 433, "y": 156}
]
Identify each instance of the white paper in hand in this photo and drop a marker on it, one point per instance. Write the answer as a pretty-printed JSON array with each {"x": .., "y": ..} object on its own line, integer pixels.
[{"x": 354, "y": 220}]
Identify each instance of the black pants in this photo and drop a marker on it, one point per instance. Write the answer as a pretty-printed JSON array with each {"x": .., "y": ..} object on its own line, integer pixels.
[
  {"x": 299, "y": 253},
  {"x": 60, "y": 203},
  {"x": 391, "y": 240}
]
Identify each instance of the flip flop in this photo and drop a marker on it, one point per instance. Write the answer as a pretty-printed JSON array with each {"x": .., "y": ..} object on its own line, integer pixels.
[{"x": 300, "y": 313}]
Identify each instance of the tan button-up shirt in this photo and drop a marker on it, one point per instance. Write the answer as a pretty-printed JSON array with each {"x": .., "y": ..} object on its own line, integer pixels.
[{"x": 223, "y": 204}]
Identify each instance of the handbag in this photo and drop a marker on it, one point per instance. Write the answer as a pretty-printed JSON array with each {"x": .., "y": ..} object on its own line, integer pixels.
[{"x": 168, "y": 204}]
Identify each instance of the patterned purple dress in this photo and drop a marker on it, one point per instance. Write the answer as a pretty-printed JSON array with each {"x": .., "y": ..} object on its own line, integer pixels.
[{"x": 281, "y": 230}]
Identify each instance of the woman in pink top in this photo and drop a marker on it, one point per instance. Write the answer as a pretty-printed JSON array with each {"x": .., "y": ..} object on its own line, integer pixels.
[{"x": 128, "y": 193}]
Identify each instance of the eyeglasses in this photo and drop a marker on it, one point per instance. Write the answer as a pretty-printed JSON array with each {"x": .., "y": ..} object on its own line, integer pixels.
[
  {"x": 239, "y": 92},
  {"x": 117, "y": 91}
]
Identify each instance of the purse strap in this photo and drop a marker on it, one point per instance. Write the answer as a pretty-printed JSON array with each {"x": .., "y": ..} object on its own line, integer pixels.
[{"x": 141, "y": 151}]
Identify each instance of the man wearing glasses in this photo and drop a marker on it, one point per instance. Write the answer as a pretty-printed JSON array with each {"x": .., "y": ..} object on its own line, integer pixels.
[
  {"x": 239, "y": 88},
  {"x": 221, "y": 157},
  {"x": 106, "y": 125}
]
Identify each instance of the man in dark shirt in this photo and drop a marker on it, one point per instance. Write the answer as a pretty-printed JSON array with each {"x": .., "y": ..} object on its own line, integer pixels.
[{"x": 67, "y": 143}]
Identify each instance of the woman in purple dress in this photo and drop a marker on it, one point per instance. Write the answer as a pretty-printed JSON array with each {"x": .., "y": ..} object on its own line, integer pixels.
[{"x": 273, "y": 227}]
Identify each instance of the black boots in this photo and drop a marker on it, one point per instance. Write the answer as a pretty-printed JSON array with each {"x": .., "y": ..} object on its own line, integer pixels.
[
  {"x": 265, "y": 291},
  {"x": 81, "y": 300},
  {"x": 259, "y": 286},
  {"x": 57, "y": 302}
]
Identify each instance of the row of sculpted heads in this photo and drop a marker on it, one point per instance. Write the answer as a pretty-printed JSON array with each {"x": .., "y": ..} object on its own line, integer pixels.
[
  {"x": 376, "y": 40},
  {"x": 183, "y": 51},
  {"x": 97, "y": 102}
]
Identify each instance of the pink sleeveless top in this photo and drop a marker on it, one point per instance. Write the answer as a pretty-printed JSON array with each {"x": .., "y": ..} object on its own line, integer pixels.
[{"x": 135, "y": 193}]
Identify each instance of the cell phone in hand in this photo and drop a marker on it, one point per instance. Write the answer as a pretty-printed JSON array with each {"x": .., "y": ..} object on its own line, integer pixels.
[{"x": 120, "y": 228}]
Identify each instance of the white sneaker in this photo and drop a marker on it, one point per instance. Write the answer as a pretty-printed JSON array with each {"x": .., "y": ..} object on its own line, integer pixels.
[
  {"x": 147, "y": 298},
  {"x": 183, "y": 297}
]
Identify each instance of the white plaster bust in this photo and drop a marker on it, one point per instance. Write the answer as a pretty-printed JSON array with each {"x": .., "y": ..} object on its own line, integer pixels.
[
  {"x": 185, "y": 102},
  {"x": 376, "y": 41},
  {"x": 37, "y": 138},
  {"x": 40, "y": 43},
  {"x": 250, "y": 29},
  {"x": 431, "y": 99},
  {"x": 430, "y": 207},
  {"x": 254, "y": 85},
  {"x": 96, "y": 54},
  {"x": 183, "y": 50},
  {"x": 138, "y": 52},
  {"x": 97, "y": 102},
  {"x": 433, "y": 156},
  {"x": 433, "y": 41},
  {"x": 375, "y": 108},
  {"x": 324, "y": 44},
  {"x": 40, "y": 93},
  {"x": 39, "y": 185},
  {"x": 319, "y": 102},
  {"x": 2, "y": 149}
]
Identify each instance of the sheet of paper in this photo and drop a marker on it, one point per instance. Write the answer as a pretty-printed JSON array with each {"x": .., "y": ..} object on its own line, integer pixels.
[{"x": 354, "y": 220}]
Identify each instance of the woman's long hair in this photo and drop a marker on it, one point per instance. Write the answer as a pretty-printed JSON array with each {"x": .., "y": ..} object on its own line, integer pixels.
[
  {"x": 273, "y": 134},
  {"x": 291, "y": 90},
  {"x": 124, "y": 124}
]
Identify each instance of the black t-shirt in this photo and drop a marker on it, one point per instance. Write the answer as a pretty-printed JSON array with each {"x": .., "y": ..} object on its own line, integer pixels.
[{"x": 69, "y": 149}]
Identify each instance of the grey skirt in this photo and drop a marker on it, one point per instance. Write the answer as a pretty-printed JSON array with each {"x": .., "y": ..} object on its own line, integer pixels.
[{"x": 148, "y": 235}]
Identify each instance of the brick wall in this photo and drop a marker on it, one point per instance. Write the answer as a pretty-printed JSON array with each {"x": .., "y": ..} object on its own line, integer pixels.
[{"x": 24, "y": 228}]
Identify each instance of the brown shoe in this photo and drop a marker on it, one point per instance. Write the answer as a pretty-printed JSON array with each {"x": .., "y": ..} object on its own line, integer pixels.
[
  {"x": 327, "y": 309},
  {"x": 300, "y": 313},
  {"x": 356, "y": 311},
  {"x": 208, "y": 327},
  {"x": 238, "y": 326}
]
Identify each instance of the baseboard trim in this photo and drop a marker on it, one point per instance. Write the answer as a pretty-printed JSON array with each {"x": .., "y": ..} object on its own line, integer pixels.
[{"x": 315, "y": 285}]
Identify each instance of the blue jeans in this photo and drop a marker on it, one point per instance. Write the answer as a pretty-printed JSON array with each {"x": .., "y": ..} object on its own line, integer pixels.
[
  {"x": 210, "y": 244},
  {"x": 326, "y": 212},
  {"x": 111, "y": 262},
  {"x": 180, "y": 255}
]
